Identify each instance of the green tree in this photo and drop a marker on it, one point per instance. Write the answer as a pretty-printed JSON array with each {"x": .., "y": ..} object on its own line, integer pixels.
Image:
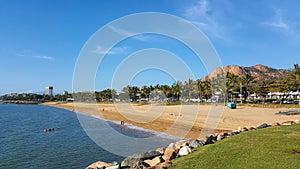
[
  {"x": 176, "y": 90},
  {"x": 231, "y": 84},
  {"x": 145, "y": 92},
  {"x": 246, "y": 81}
]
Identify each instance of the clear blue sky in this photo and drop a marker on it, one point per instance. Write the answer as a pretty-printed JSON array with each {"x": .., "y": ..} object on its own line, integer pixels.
[{"x": 40, "y": 40}]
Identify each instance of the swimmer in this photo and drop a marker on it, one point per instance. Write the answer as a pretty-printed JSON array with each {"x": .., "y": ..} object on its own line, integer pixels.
[{"x": 122, "y": 123}]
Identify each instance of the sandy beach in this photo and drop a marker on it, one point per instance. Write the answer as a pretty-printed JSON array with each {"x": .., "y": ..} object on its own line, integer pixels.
[{"x": 181, "y": 120}]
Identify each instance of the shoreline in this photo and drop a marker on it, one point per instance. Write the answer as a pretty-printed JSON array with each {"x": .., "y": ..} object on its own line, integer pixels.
[
  {"x": 230, "y": 120},
  {"x": 128, "y": 125}
]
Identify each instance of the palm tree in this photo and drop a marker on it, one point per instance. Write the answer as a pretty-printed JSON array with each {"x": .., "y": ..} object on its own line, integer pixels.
[
  {"x": 134, "y": 92},
  {"x": 176, "y": 90},
  {"x": 231, "y": 83},
  {"x": 145, "y": 92},
  {"x": 294, "y": 79},
  {"x": 166, "y": 90},
  {"x": 245, "y": 82}
]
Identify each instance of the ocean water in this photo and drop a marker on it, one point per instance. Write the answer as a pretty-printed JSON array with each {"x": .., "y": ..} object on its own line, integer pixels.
[{"x": 23, "y": 144}]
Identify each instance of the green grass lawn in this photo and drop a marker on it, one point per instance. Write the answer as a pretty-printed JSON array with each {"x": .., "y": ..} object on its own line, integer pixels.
[{"x": 273, "y": 147}]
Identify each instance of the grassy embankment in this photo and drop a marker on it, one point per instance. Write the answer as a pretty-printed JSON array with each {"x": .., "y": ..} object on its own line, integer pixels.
[{"x": 273, "y": 147}]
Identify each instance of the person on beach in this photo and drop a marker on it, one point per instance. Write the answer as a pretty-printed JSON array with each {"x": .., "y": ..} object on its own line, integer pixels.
[{"x": 122, "y": 124}]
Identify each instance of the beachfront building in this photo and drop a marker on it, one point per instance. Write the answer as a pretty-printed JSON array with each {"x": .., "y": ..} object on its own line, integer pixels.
[
  {"x": 287, "y": 95},
  {"x": 49, "y": 90}
]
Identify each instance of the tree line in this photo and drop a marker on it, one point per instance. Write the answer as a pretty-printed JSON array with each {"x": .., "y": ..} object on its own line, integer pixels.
[
  {"x": 222, "y": 88},
  {"x": 229, "y": 87}
]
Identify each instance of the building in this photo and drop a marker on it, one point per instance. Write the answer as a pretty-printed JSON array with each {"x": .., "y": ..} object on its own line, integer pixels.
[
  {"x": 49, "y": 90},
  {"x": 65, "y": 92}
]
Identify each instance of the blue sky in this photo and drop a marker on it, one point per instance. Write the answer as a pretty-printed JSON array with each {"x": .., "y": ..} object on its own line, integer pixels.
[{"x": 41, "y": 40}]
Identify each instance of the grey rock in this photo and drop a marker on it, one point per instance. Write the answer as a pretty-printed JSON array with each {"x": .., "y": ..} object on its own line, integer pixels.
[
  {"x": 210, "y": 139},
  {"x": 196, "y": 143},
  {"x": 114, "y": 163},
  {"x": 234, "y": 133},
  {"x": 262, "y": 126},
  {"x": 137, "y": 159},
  {"x": 140, "y": 165},
  {"x": 225, "y": 134}
]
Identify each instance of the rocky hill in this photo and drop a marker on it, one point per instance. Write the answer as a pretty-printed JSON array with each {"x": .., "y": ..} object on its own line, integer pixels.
[{"x": 259, "y": 72}]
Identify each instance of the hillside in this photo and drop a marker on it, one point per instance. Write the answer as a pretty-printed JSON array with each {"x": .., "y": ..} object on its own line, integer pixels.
[{"x": 259, "y": 72}]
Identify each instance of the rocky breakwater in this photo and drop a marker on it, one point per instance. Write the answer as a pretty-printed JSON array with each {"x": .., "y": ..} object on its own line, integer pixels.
[
  {"x": 20, "y": 102},
  {"x": 162, "y": 157}
]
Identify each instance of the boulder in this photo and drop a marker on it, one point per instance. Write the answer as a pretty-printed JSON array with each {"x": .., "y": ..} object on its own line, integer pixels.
[
  {"x": 252, "y": 128},
  {"x": 196, "y": 143},
  {"x": 169, "y": 154},
  {"x": 185, "y": 150},
  {"x": 235, "y": 132},
  {"x": 140, "y": 165},
  {"x": 225, "y": 134},
  {"x": 171, "y": 146},
  {"x": 287, "y": 123},
  {"x": 210, "y": 139},
  {"x": 220, "y": 137},
  {"x": 114, "y": 167},
  {"x": 137, "y": 159},
  {"x": 297, "y": 121},
  {"x": 154, "y": 161},
  {"x": 275, "y": 124},
  {"x": 99, "y": 165},
  {"x": 244, "y": 129},
  {"x": 161, "y": 150},
  {"x": 240, "y": 128},
  {"x": 264, "y": 125},
  {"x": 181, "y": 143}
]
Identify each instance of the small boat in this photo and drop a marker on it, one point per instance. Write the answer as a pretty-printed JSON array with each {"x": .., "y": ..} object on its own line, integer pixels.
[{"x": 290, "y": 112}]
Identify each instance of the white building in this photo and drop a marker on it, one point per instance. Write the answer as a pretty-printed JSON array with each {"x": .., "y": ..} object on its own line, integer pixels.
[
  {"x": 49, "y": 90},
  {"x": 279, "y": 95}
]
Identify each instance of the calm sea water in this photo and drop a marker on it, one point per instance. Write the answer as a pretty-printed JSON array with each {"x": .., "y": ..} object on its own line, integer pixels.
[{"x": 24, "y": 144}]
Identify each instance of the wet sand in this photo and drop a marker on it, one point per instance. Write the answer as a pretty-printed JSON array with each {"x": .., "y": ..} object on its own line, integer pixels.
[{"x": 181, "y": 120}]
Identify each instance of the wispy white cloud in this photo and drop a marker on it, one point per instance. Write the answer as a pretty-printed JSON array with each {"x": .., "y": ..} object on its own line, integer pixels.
[
  {"x": 197, "y": 10},
  {"x": 199, "y": 14},
  {"x": 43, "y": 57},
  {"x": 141, "y": 37},
  {"x": 280, "y": 24},
  {"x": 278, "y": 21},
  {"x": 113, "y": 51},
  {"x": 29, "y": 54}
]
